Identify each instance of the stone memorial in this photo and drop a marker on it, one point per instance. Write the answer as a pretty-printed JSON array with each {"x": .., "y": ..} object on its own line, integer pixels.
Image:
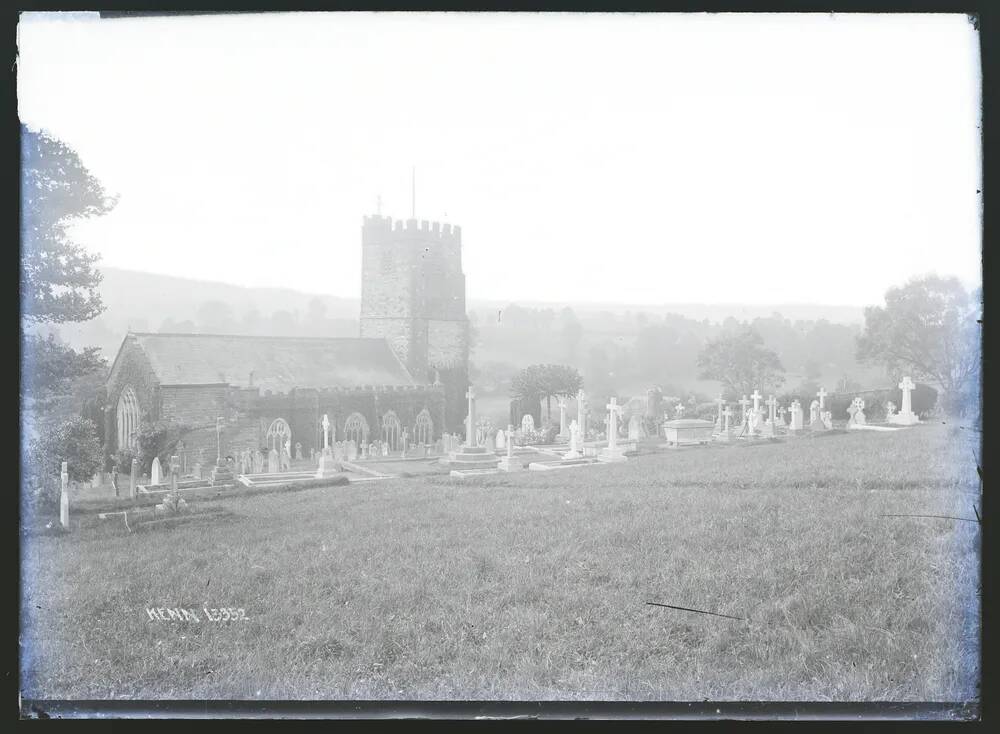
[
  {"x": 472, "y": 457},
  {"x": 905, "y": 416},
  {"x": 795, "y": 416},
  {"x": 501, "y": 440},
  {"x": 612, "y": 452},
  {"x": 563, "y": 427},
  {"x": 726, "y": 433},
  {"x": 64, "y": 496},
  {"x": 133, "y": 479},
  {"x": 581, "y": 412},
  {"x": 575, "y": 443},
  {"x": 156, "y": 472},
  {"x": 528, "y": 423},
  {"x": 508, "y": 462},
  {"x": 298, "y": 451},
  {"x": 273, "y": 462}
]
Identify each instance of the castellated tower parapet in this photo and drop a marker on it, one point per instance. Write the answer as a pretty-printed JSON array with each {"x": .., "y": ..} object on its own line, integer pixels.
[{"x": 413, "y": 295}]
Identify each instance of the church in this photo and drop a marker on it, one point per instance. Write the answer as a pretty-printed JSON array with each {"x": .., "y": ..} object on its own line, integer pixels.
[{"x": 407, "y": 371}]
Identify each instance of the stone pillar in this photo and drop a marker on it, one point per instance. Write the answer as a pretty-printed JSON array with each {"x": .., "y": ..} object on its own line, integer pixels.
[
  {"x": 64, "y": 496},
  {"x": 563, "y": 429}
]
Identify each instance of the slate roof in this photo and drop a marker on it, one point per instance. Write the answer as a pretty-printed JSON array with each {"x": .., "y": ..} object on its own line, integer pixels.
[{"x": 278, "y": 363}]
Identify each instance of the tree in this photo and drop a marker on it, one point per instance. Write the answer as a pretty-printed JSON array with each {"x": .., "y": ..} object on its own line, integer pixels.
[
  {"x": 546, "y": 381},
  {"x": 741, "y": 362},
  {"x": 928, "y": 329},
  {"x": 58, "y": 279},
  {"x": 75, "y": 442},
  {"x": 216, "y": 317}
]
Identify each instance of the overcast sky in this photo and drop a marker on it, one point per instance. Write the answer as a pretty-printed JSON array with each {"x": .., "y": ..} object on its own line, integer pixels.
[{"x": 630, "y": 158}]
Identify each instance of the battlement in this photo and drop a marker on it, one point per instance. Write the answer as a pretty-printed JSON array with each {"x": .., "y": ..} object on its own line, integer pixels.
[{"x": 377, "y": 228}]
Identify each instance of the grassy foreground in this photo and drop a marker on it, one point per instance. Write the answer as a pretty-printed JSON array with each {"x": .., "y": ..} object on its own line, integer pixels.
[{"x": 534, "y": 585}]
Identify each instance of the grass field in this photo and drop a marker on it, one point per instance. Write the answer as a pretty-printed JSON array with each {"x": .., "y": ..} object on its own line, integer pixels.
[{"x": 534, "y": 585}]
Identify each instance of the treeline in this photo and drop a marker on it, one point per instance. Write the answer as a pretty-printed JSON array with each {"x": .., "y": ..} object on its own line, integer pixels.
[{"x": 625, "y": 353}]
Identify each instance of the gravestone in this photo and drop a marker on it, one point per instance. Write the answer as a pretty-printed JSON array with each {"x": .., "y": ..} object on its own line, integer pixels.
[
  {"x": 743, "y": 413},
  {"x": 574, "y": 442},
  {"x": 298, "y": 451},
  {"x": 612, "y": 452},
  {"x": 726, "y": 433},
  {"x": 501, "y": 440},
  {"x": 718, "y": 420},
  {"x": 634, "y": 428},
  {"x": 312, "y": 454},
  {"x": 338, "y": 452},
  {"x": 273, "y": 462},
  {"x": 326, "y": 434},
  {"x": 156, "y": 472},
  {"x": 384, "y": 448},
  {"x": 133, "y": 479},
  {"x": 352, "y": 450},
  {"x": 795, "y": 416},
  {"x": 890, "y": 411},
  {"x": 64, "y": 496},
  {"x": 816, "y": 422},
  {"x": 581, "y": 412},
  {"x": 905, "y": 416},
  {"x": 258, "y": 461},
  {"x": 563, "y": 428},
  {"x": 508, "y": 462}
]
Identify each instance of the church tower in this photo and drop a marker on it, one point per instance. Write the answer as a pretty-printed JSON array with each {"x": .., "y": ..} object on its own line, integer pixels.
[{"x": 413, "y": 295}]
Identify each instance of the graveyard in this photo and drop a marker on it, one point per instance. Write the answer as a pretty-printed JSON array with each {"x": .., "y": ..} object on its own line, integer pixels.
[{"x": 799, "y": 565}]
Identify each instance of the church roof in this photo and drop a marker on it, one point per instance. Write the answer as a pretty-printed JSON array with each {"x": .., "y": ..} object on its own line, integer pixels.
[{"x": 278, "y": 363}]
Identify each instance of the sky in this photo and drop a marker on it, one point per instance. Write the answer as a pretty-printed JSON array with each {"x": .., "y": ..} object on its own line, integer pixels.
[{"x": 637, "y": 158}]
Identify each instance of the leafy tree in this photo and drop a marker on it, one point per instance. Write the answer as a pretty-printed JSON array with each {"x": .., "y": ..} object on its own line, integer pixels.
[
  {"x": 58, "y": 279},
  {"x": 74, "y": 441},
  {"x": 546, "y": 381},
  {"x": 928, "y": 328},
  {"x": 741, "y": 362}
]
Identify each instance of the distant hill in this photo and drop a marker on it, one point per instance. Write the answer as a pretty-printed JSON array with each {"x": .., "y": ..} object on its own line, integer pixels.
[{"x": 143, "y": 301}]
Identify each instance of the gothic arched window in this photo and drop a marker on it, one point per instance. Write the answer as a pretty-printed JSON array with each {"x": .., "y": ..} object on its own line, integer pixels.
[
  {"x": 391, "y": 430},
  {"x": 127, "y": 419},
  {"x": 423, "y": 432},
  {"x": 356, "y": 428}
]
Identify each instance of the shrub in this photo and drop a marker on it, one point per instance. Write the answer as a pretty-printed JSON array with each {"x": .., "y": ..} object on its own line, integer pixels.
[
  {"x": 159, "y": 439},
  {"x": 75, "y": 442}
]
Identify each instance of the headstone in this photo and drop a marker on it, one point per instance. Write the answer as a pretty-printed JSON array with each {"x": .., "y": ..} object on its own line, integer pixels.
[
  {"x": 133, "y": 479},
  {"x": 508, "y": 462},
  {"x": 743, "y": 412},
  {"x": 634, "y": 428},
  {"x": 796, "y": 416},
  {"x": 339, "y": 453},
  {"x": 258, "y": 461},
  {"x": 756, "y": 400},
  {"x": 563, "y": 428},
  {"x": 501, "y": 440},
  {"x": 285, "y": 458},
  {"x": 815, "y": 419},
  {"x": 781, "y": 416},
  {"x": 273, "y": 462},
  {"x": 581, "y": 411},
  {"x": 890, "y": 411},
  {"x": 298, "y": 451},
  {"x": 612, "y": 453},
  {"x": 821, "y": 394},
  {"x": 574, "y": 442},
  {"x": 326, "y": 431},
  {"x": 718, "y": 420},
  {"x": 857, "y": 413},
  {"x": 312, "y": 454},
  {"x": 384, "y": 448},
  {"x": 156, "y": 472},
  {"x": 438, "y": 447},
  {"x": 905, "y": 416},
  {"x": 726, "y": 433},
  {"x": 470, "y": 419},
  {"x": 352, "y": 450},
  {"x": 826, "y": 417},
  {"x": 64, "y": 496}
]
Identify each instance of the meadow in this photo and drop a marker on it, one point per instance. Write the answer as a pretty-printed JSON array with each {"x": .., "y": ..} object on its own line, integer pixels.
[{"x": 535, "y": 585}]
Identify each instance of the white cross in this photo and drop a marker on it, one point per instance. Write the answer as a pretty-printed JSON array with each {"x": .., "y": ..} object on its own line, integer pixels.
[
  {"x": 756, "y": 400},
  {"x": 680, "y": 409},
  {"x": 613, "y": 410},
  {"x": 906, "y": 384},
  {"x": 772, "y": 404},
  {"x": 743, "y": 402},
  {"x": 821, "y": 394},
  {"x": 326, "y": 431}
]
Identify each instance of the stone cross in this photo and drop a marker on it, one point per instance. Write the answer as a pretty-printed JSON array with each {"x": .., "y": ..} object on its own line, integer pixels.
[
  {"x": 581, "y": 414},
  {"x": 510, "y": 440},
  {"x": 906, "y": 386},
  {"x": 721, "y": 401},
  {"x": 326, "y": 432},
  {"x": 470, "y": 429},
  {"x": 743, "y": 406},
  {"x": 64, "y": 496},
  {"x": 756, "y": 400},
  {"x": 821, "y": 394},
  {"x": 613, "y": 410},
  {"x": 772, "y": 403}
]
